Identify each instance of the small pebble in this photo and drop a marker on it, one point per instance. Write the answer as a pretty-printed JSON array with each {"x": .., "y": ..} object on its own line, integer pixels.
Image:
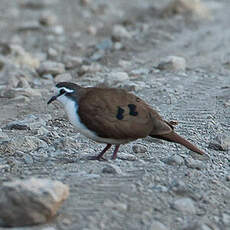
[
  {"x": 184, "y": 205},
  {"x": 63, "y": 77},
  {"x": 111, "y": 169},
  {"x": 120, "y": 32},
  {"x": 195, "y": 164},
  {"x": 51, "y": 67},
  {"x": 174, "y": 160},
  {"x": 156, "y": 225},
  {"x": 172, "y": 63},
  {"x": 137, "y": 148}
]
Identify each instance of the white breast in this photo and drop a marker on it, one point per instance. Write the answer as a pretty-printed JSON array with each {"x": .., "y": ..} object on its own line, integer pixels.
[{"x": 71, "y": 108}]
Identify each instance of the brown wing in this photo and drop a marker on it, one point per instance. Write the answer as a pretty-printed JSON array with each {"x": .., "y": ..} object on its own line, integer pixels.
[{"x": 114, "y": 113}]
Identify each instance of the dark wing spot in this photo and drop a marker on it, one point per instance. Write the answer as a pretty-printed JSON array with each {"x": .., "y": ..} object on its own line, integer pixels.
[
  {"x": 132, "y": 110},
  {"x": 120, "y": 112}
]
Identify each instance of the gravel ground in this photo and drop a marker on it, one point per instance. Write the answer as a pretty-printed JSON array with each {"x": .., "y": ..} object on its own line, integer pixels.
[{"x": 153, "y": 184}]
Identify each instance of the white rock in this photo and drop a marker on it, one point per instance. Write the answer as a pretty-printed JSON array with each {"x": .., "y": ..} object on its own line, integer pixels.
[
  {"x": 51, "y": 67},
  {"x": 93, "y": 68},
  {"x": 20, "y": 57},
  {"x": 195, "y": 164},
  {"x": 47, "y": 18},
  {"x": 174, "y": 160},
  {"x": 42, "y": 131},
  {"x": 117, "y": 45},
  {"x": 30, "y": 121},
  {"x": 92, "y": 30},
  {"x": 205, "y": 227},
  {"x": 63, "y": 77},
  {"x": 120, "y": 32},
  {"x": 172, "y": 63},
  {"x": 115, "y": 77},
  {"x": 72, "y": 61},
  {"x": 3, "y": 137},
  {"x": 52, "y": 52},
  {"x": 220, "y": 142},
  {"x": 29, "y": 25},
  {"x": 37, "y": 4},
  {"x": 226, "y": 219},
  {"x": 156, "y": 225},
  {"x": 138, "y": 148},
  {"x": 184, "y": 205},
  {"x": 125, "y": 156},
  {"x": 121, "y": 206},
  {"x": 192, "y": 7},
  {"x": 58, "y": 30},
  {"x": 112, "y": 169},
  {"x": 31, "y": 201}
]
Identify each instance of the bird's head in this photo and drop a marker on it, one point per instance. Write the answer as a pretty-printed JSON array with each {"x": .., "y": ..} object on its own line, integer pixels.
[{"x": 64, "y": 91}]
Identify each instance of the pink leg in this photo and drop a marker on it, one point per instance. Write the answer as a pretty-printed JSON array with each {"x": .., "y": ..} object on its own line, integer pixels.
[
  {"x": 115, "y": 152},
  {"x": 100, "y": 156}
]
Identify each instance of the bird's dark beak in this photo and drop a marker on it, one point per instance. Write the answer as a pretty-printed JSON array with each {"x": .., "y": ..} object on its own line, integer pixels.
[{"x": 53, "y": 99}]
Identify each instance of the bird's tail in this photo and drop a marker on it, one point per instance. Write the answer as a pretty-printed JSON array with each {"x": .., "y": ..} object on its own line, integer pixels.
[{"x": 174, "y": 137}]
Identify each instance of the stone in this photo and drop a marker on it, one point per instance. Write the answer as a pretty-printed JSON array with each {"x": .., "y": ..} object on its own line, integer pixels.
[
  {"x": 57, "y": 29},
  {"x": 105, "y": 44},
  {"x": 28, "y": 159},
  {"x": 20, "y": 57},
  {"x": 128, "y": 157},
  {"x": 92, "y": 68},
  {"x": 51, "y": 67},
  {"x": 184, "y": 205},
  {"x": 138, "y": 72},
  {"x": 118, "y": 46},
  {"x": 27, "y": 143},
  {"x": 195, "y": 225},
  {"x": 85, "y": 2},
  {"x": 30, "y": 25},
  {"x": 63, "y": 77},
  {"x": 47, "y": 18},
  {"x": 226, "y": 219},
  {"x": 31, "y": 4},
  {"x": 115, "y": 77},
  {"x": 220, "y": 142},
  {"x": 193, "y": 8},
  {"x": 42, "y": 131},
  {"x": 172, "y": 63},
  {"x": 31, "y": 121},
  {"x": 174, "y": 160},
  {"x": 206, "y": 227},
  {"x": 52, "y": 52},
  {"x": 72, "y": 61},
  {"x": 179, "y": 187},
  {"x": 156, "y": 225},
  {"x": 98, "y": 55},
  {"x": 3, "y": 137},
  {"x": 31, "y": 201},
  {"x": 49, "y": 228},
  {"x": 120, "y": 32},
  {"x": 92, "y": 30},
  {"x": 121, "y": 206},
  {"x": 195, "y": 164},
  {"x": 111, "y": 169},
  {"x": 137, "y": 148}
]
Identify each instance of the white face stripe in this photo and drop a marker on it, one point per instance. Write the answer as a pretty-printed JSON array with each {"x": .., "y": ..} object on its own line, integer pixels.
[{"x": 66, "y": 89}]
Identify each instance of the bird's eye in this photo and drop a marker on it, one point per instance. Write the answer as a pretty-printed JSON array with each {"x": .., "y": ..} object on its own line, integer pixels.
[{"x": 62, "y": 91}]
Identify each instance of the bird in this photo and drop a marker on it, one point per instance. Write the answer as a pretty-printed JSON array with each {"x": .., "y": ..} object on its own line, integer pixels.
[{"x": 114, "y": 116}]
